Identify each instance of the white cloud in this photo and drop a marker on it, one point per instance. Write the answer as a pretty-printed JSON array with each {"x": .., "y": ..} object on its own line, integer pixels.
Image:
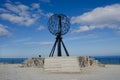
[
  {"x": 46, "y": 43},
  {"x": 49, "y": 14},
  {"x": 81, "y": 29},
  {"x": 21, "y": 14},
  {"x": 101, "y": 17},
  {"x": 35, "y": 6},
  {"x": 4, "y": 31},
  {"x": 22, "y": 40},
  {"x": 12, "y": 8},
  {"x": 41, "y": 27},
  {"x": 18, "y": 19},
  {"x": 3, "y": 10},
  {"x": 39, "y": 43},
  {"x": 88, "y": 36}
]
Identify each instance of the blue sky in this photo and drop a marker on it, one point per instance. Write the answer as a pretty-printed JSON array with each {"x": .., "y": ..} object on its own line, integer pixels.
[{"x": 95, "y": 27}]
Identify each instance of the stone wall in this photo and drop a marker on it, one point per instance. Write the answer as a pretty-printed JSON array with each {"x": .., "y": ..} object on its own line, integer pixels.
[
  {"x": 33, "y": 62},
  {"x": 86, "y": 61},
  {"x": 68, "y": 64},
  {"x": 62, "y": 64}
]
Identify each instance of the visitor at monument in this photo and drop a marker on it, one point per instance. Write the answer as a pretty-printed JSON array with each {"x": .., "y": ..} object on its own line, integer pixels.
[{"x": 39, "y": 55}]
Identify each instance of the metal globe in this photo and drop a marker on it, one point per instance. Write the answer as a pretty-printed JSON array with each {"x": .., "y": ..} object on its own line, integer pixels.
[{"x": 54, "y": 25}]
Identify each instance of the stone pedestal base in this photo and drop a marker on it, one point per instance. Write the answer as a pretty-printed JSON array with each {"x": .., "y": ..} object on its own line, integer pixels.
[{"x": 62, "y": 64}]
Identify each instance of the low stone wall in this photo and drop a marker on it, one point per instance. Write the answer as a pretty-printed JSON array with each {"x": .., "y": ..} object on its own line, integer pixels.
[
  {"x": 62, "y": 64},
  {"x": 86, "y": 61},
  {"x": 34, "y": 62}
]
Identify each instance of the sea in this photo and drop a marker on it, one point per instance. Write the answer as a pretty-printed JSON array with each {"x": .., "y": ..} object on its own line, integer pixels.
[
  {"x": 108, "y": 59},
  {"x": 12, "y": 60},
  {"x": 101, "y": 59}
]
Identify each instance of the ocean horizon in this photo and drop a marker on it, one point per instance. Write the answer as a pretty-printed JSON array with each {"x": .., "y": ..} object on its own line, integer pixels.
[
  {"x": 12, "y": 60},
  {"x": 101, "y": 59}
]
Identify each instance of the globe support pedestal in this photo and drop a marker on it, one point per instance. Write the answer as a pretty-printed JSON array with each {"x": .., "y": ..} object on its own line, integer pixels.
[{"x": 58, "y": 42}]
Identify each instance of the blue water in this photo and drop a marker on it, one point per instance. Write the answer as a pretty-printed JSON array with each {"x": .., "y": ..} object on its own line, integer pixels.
[
  {"x": 12, "y": 60},
  {"x": 102, "y": 59},
  {"x": 108, "y": 59}
]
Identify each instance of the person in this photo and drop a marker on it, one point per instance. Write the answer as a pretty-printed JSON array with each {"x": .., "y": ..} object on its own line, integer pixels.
[{"x": 39, "y": 55}]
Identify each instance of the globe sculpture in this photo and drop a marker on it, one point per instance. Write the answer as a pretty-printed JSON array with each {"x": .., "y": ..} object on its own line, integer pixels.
[{"x": 58, "y": 25}]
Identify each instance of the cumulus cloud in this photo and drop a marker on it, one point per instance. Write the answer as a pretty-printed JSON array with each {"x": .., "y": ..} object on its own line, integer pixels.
[
  {"x": 12, "y": 8},
  {"x": 35, "y": 6},
  {"x": 22, "y": 40},
  {"x": 88, "y": 36},
  {"x": 41, "y": 27},
  {"x": 46, "y": 43},
  {"x": 18, "y": 19},
  {"x": 4, "y": 31},
  {"x": 21, "y": 14},
  {"x": 82, "y": 29},
  {"x": 101, "y": 17},
  {"x": 49, "y": 14},
  {"x": 3, "y": 10},
  {"x": 39, "y": 43}
]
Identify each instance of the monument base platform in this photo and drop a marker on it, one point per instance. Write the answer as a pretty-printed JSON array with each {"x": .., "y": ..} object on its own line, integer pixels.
[{"x": 62, "y": 64}]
